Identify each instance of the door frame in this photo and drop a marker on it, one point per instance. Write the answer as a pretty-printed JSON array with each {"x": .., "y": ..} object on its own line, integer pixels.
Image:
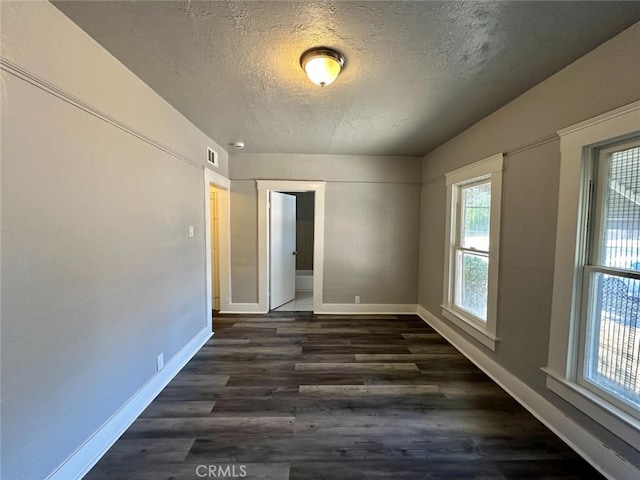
[
  {"x": 223, "y": 184},
  {"x": 264, "y": 187}
]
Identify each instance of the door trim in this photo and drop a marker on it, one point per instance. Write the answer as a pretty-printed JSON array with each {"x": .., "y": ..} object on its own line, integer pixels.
[
  {"x": 264, "y": 187},
  {"x": 212, "y": 178}
]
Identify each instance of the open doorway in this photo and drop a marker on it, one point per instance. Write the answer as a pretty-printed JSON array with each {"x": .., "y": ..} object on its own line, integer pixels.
[
  {"x": 313, "y": 283},
  {"x": 302, "y": 275},
  {"x": 214, "y": 198},
  {"x": 217, "y": 276}
]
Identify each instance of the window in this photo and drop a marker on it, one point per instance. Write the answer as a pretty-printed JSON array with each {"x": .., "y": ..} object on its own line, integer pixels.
[
  {"x": 610, "y": 348},
  {"x": 594, "y": 340},
  {"x": 471, "y": 266}
]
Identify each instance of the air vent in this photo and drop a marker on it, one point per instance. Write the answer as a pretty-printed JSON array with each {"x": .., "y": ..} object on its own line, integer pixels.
[{"x": 212, "y": 157}]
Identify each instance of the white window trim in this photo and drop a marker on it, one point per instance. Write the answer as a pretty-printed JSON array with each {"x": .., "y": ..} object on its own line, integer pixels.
[
  {"x": 561, "y": 369},
  {"x": 484, "y": 332}
]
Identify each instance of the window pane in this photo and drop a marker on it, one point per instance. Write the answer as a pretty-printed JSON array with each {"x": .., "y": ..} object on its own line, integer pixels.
[
  {"x": 476, "y": 214},
  {"x": 613, "y": 339},
  {"x": 472, "y": 281},
  {"x": 621, "y": 215}
]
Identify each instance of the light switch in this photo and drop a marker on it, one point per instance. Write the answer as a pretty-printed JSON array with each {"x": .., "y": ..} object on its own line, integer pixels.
[{"x": 190, "y": 231}]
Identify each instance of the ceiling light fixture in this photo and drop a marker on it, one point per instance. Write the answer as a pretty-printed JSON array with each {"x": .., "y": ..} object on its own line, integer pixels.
[{"x": 322, "y": 65}]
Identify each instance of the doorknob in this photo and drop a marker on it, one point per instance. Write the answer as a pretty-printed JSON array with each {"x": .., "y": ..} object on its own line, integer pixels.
[{"x": 295, "y": 253}]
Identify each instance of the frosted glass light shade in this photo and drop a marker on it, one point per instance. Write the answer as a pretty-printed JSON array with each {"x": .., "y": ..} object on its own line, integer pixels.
[{"x": 322, "y": 65}]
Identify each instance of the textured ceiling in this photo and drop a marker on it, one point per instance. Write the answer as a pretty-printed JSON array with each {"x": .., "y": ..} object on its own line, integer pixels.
[{"x": 417, "y": 73}]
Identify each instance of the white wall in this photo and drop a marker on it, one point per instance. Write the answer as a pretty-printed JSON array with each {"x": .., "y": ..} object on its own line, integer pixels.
[{"x": 100, "y": 180}]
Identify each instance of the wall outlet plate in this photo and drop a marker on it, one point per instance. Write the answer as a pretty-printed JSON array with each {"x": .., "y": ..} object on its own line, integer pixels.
[
  {"x": 357, "y": 300},
  {"x": 160, "y": 361}
]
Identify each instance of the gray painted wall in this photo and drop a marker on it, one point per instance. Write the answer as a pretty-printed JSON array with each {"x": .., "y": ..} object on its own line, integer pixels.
[
  {"x": 98, "y": 273},
  {"x": 99, "y": 276},
  {"x": 244, "y": 241},
  {"x": 372, "y": 223},
  {"x": 599, "y": 82}
]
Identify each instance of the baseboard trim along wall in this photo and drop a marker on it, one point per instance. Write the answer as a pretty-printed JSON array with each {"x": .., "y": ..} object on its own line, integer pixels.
[
  {"x": 83, "y": 459},
  {"x": 586, "y": 445},
  {"x": 332, "y": 309},
  {"x": 366, "y": 308},
  {"x": 245, "y": 308}
]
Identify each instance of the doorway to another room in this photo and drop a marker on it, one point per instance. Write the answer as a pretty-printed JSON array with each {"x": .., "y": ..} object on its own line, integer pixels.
[
  {"x": 309, "y": 274},
  {"x": 216, "y": 231},
  {"x": 303, "y": 203},
  {"x": 214, "y": 198}
]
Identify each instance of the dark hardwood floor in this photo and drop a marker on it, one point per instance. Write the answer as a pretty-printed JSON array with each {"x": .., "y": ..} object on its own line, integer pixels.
[{"x": 297, "y": 396}]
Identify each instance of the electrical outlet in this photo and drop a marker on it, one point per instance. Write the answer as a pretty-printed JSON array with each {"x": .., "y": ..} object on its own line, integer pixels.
[
  {"x": 160, "y": 361},
  {"x": 357, "y": 298},
  {"x": 190, "y": 231}
]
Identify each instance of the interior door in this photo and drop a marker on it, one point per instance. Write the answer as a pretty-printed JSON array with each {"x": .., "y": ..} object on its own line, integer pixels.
[{"x": 282, "y": 217}]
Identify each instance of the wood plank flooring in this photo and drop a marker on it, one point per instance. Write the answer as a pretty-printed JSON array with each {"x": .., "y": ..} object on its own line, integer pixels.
[{"x": 296, "y": 396}]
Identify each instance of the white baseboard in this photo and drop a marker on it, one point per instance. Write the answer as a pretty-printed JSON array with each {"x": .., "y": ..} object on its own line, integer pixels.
[
  {"x": 87, "y": 455},
  {"x": 246, "y": 308},
  {"x": 304, "y": 283},
  {"x": 603, "y": 459},
  {"x": 366, "y": 308},
  {"x": 331, "y": 308}
]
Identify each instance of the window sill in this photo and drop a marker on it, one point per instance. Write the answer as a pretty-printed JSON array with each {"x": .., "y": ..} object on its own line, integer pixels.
[
  {"x": 609, "y": 416},
  {"x": 470, "y": 327}
]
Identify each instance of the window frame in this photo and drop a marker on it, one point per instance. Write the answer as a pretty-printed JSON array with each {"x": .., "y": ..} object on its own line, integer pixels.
[
  {"x": 579, "y": 146},
  {"x": 597, "y": 175},
  {"x": 488, "y": 170}
]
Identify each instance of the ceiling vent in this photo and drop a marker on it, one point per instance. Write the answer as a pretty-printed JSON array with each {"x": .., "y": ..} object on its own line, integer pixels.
[{"x": 212, "y": 157}]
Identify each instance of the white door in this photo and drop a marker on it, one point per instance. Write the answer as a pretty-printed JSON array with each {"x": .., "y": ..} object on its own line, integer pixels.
[{"x": 282, "y": 249}]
